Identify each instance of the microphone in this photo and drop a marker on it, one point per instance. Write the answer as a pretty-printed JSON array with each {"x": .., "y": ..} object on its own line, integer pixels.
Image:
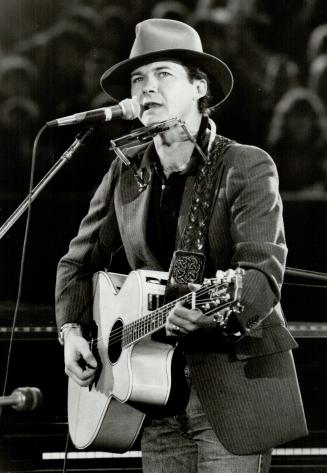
[
  {"x": 127, "y": 109},
  {"x": 23, "y": 399}
]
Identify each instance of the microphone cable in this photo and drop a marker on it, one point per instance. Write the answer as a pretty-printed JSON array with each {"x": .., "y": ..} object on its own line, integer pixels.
[
  {"x": 22, "y": 261},
  {"x": 64, "y": 466}
]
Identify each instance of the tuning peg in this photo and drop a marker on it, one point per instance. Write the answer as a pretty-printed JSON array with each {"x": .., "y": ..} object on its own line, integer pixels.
[{"x": 219, "y": 275}]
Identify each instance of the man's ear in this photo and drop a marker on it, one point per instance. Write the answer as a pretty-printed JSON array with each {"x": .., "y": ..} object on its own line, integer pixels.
[{"x": 201, "y": 88}]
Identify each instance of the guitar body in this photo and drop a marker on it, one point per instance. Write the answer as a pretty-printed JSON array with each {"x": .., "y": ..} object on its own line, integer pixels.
[
  {"x": 136, "y": 373},
  {"x": 132, "y": 380}
]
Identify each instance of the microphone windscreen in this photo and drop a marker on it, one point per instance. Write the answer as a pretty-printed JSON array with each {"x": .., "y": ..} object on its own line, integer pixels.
[
  {"x": 131, "y": 108},
  {"x": 28, "y": 399}
]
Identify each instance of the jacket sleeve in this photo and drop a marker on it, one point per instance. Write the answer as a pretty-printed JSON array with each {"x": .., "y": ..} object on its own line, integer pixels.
[
  {"x": 87, "y": 254},
  {"x": 257, "y": 231}
]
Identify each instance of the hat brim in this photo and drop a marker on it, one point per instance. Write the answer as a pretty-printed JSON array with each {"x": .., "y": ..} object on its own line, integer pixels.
[{"x": 116, "y": 80}]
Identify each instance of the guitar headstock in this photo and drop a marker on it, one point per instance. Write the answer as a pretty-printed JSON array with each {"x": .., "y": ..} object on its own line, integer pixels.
[{"x": 221, "y": 295}]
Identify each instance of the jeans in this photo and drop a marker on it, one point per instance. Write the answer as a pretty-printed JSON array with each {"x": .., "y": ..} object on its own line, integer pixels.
[{"x": 187, "y": 444}]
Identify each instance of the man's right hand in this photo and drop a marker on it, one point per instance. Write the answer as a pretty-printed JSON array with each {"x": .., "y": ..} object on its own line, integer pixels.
[{"x": 80, "y": 364}]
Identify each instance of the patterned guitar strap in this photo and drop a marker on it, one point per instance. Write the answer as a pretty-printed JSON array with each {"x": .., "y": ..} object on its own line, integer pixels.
[{"x": 188, "y": 261}]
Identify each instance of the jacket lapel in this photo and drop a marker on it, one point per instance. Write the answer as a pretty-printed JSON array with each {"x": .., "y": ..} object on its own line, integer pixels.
[{"x": 133, "y": 220}]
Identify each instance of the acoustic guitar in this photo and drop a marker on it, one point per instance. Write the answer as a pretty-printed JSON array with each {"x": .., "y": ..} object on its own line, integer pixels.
[{"x": 137, "y": 373}]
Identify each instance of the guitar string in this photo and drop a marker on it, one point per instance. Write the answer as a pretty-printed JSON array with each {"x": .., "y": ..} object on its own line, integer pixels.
[
  {"x": 160, "y": 312},
  {"x": 208, "y": 313},
  {"x": 155, "y": 315},
  {"x": 139, "y": 324},
  {"x": 135, "y": 330},
  {"x": 106, "y": 360},
  {"x": 136, "y": 327}
]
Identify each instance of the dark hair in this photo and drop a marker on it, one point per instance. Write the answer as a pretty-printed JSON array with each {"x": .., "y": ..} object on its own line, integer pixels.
[{"x": 195, "y": 73}]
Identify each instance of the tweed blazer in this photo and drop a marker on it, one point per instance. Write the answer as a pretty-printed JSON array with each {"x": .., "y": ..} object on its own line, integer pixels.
[{"x": 248, "y": 388}]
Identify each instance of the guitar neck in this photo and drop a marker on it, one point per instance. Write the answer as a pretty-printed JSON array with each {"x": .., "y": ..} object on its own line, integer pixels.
[
  {"x": 150, "y": 323},
  {"x": 215, "y": 294}
]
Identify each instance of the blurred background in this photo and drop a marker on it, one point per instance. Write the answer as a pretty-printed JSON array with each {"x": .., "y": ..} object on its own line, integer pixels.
[{"x": 52, "y": 54}]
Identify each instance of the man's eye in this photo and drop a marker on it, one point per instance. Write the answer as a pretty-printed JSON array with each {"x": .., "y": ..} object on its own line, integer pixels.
[
  {"x": 164, "y": 74},
  {"x": 137, "y": 79}
]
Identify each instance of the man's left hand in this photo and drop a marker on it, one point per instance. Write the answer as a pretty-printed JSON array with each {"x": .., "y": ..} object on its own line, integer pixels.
[{"x": 182, "y": 320}]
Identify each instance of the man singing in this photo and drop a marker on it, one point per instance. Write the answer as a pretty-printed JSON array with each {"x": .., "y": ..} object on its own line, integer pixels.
[{"x": 244, "y": 394}]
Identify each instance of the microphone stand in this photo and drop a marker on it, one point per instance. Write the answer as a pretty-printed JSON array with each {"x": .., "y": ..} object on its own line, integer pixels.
[
  {"x": 65, "y": 157},
  {"x": 140, "y": 135},
  {"x": 306, "y": 274}
]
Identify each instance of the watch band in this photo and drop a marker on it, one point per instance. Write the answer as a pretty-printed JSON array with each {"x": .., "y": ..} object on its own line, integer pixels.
[{"x": 64, "y": 328}]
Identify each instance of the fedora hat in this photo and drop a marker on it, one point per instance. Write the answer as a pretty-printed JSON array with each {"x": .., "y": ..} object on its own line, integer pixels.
[{"x": 158, "y": 38}]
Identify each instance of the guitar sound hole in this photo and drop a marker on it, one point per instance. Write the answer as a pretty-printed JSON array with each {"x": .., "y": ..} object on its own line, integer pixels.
[{"x": 115, "y": 341}]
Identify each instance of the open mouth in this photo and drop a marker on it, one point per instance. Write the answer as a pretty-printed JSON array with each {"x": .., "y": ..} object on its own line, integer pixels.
[{"x": 150, "y": 105}]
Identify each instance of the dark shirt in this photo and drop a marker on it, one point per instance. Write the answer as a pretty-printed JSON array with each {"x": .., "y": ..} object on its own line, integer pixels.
[{"x": 165, "y": 202}]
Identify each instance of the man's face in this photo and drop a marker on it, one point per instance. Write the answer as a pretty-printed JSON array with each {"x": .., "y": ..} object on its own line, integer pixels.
[{"x": 164, "y": 91}]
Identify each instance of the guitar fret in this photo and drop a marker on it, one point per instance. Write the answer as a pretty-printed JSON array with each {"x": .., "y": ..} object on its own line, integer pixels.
[
  {"x": 149, "y": 323},
  {"x": 137, "y": 331}
]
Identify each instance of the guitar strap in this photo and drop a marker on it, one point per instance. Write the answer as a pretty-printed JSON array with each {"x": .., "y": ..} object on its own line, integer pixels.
[{"x": 188, "y": 261}]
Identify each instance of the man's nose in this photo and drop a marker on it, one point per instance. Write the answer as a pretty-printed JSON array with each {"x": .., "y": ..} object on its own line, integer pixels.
[{"x": 150, "y": 85}]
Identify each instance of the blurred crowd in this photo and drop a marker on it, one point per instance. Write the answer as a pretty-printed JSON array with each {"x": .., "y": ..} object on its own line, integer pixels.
[{"x": 52, "y": 55}]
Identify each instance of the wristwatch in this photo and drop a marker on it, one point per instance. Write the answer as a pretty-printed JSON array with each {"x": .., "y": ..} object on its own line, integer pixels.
[{"x": 63, "y": 330}]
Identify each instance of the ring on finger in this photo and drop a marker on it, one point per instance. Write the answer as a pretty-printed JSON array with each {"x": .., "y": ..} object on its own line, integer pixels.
[{"x": 176, "y": 328}]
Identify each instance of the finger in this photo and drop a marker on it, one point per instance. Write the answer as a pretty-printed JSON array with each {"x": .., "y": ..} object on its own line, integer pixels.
[
  {"x": 179, "y": 310},
  {"x": 179, "y": 330},
  {"x": 89, "y": 359},
  {"x": 86, "y": 354},
  {"x": 80, "y": 382},
  {"x": 83, "y": 378},
  {"x": 187, "y": 323},
  {"x": 183, "y": 313},
  {"x": 175, "y": 330},
  {"x": 171, "y": 329},
  {"x": 80, "y": 369},
  {"x": 173, "y": 320}
]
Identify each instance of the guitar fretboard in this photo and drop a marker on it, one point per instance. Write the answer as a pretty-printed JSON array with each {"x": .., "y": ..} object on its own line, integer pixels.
[
  {"x": 149, "y": 323},
  {"x": 210, "y": 298}
]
